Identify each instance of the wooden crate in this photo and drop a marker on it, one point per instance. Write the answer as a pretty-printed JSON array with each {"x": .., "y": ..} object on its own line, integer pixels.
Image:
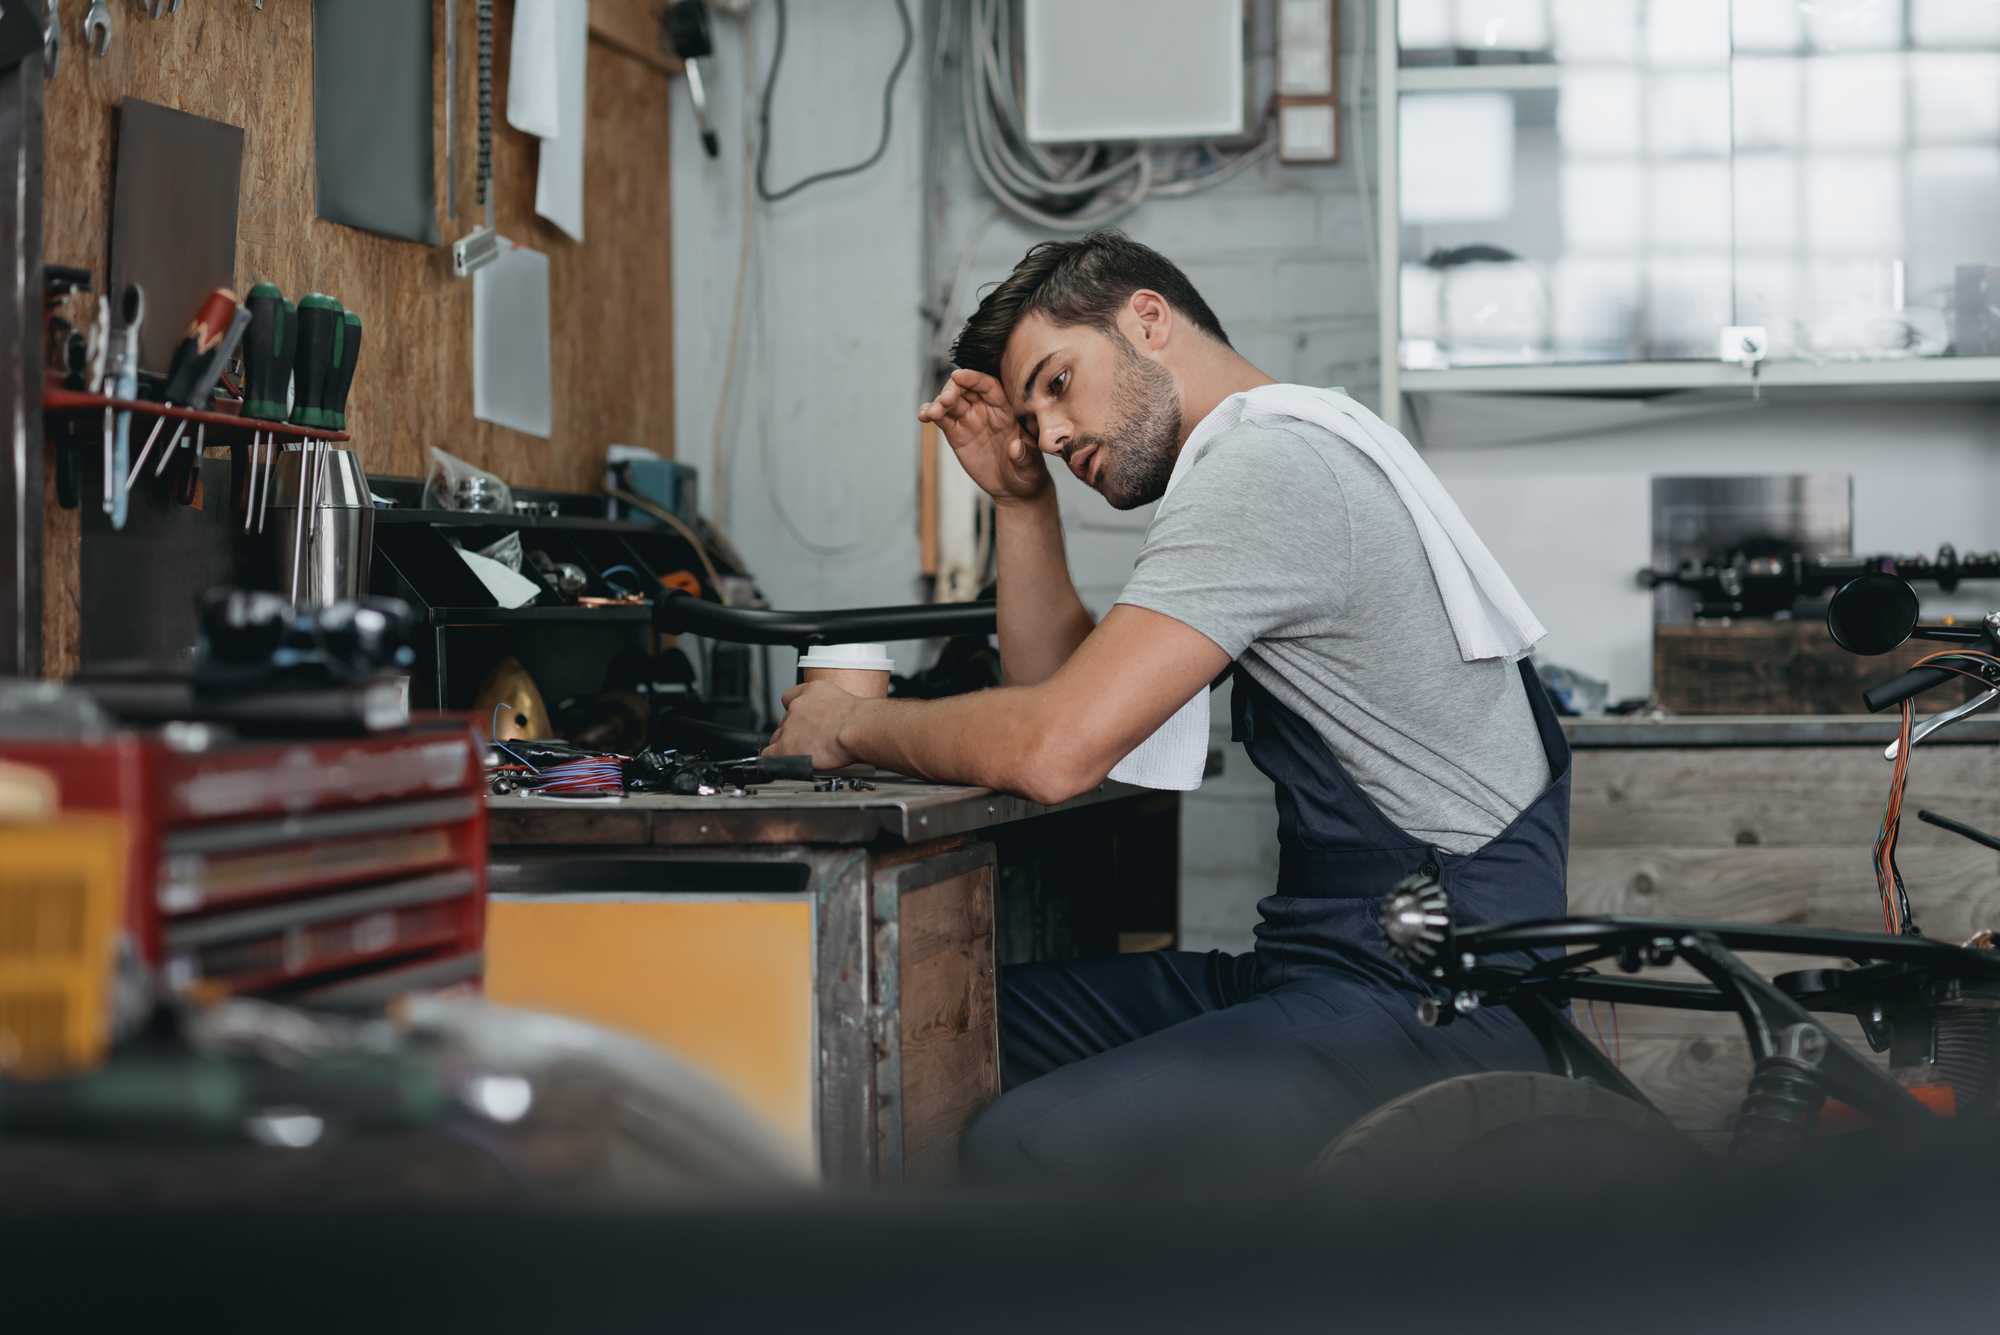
[
  {"x": 1764, "y": 835},
  {"x": 1775, "y": 667},
  {"x": 937, "y": 1014}
]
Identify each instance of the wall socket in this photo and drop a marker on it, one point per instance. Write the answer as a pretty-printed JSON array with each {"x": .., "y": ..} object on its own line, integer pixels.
[{"x": 1745, "y": 344}]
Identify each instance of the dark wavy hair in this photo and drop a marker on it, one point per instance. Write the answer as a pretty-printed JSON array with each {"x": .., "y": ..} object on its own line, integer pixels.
[{"x": 1082, "y": 282}]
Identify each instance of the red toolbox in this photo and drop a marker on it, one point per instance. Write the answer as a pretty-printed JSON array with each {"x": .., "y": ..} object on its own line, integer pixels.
[{"x": 321, "y": 870}]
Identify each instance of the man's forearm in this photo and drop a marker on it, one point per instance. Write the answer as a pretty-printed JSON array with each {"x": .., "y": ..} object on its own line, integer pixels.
[
  {"x": 1042, "y": 620},
  {"x": 997, "y": 739}
]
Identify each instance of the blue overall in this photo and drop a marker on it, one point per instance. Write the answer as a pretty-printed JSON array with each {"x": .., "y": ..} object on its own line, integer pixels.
[{"x": 1174, "y": 1064}]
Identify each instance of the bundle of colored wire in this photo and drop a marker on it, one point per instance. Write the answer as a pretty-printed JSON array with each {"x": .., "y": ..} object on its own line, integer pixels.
[
  {"x": 1896, "y": 915},
  {"x": 1888, "y": 877},
  {"x": 575, "y": 777}
]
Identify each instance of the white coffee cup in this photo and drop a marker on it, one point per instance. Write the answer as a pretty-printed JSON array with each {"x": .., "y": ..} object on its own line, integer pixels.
[{"x": 859, "y": 669}]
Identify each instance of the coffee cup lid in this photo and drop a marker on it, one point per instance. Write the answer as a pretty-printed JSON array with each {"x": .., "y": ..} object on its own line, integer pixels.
[{"x": 853, "y": 657}]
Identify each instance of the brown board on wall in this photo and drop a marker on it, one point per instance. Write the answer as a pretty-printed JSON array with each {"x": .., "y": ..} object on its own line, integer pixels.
[{"x": 611, "y": 298}]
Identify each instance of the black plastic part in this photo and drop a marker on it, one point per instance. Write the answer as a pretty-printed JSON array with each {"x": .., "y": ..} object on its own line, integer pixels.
[
  {"x": 1950, "y": 634},
  {"x": 313, "y": 366},
  {"x": 1958, "y": 828},
  {"x": 343, "y": 376},
  {"x": 687, "y": 28},
  {"x": 1900, "y": 688},
  {"x": 69, "y": 465},
  {"x": 59, "y": 280},
  {"x": 678, "y": 732},
  {"x": 1872, "y": 614},
  {"x": 785, "y": 767},
  {"x": 1613, "y": 931},
  {"x": 679, "y": 613},
  {"x": 267, "y": 367},
  {"x": 1783, "y": 1100}
]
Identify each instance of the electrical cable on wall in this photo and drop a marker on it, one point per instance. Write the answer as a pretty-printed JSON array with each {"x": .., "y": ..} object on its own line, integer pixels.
[
  {"x": 888, "y": 112},
  {"x": 1361, "y": 162},
  {"x": 1058, "y": 188}
]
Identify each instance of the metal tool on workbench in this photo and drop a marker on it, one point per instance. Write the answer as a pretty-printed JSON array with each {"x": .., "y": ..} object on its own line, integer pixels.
[
  {"x": 121, "y": 381},
  {"x": 326, "y": 524},
  {"x": 97, "y": 29},
  {"x": 481, "y": 247}
]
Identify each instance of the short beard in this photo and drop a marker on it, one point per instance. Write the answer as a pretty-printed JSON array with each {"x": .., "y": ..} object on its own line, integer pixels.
[{"x": 1144, "y": 439}]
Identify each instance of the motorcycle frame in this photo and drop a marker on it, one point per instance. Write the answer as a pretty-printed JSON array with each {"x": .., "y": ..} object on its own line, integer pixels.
[{"x": 1901, "y": 979}]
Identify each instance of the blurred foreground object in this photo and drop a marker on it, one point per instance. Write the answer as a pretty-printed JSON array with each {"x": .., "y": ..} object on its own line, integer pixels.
[{"x": 445, "y": 1101}]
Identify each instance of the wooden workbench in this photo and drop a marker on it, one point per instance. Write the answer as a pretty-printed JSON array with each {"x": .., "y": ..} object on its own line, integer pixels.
[
  {"x": 831, "y": 956},
  {"x": 1766, "y": 819}
]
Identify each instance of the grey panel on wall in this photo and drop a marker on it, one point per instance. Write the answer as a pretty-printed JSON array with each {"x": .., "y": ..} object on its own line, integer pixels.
[
  {"x": 173, "y": 217},
  {"x": 372, "y": 117},
  {"x": 140, "y": 587}
]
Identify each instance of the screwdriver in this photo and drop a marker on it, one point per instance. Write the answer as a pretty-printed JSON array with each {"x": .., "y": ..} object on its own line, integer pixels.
[
  {"x": 191, "y": 359},
  {"x": 347, "y": 352},
  {"x": 317, "y": 359},
  {"x": 268, "y": 348},
  {"x": 267, "y": 363},
  {"x": 199, "y": 394},
  {"x": 200, "y": 349},
  {"x": 315, "y": 369},
  {"x": 207, "y": 329}
]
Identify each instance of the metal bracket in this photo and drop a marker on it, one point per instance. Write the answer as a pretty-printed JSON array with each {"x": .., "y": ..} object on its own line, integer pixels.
[{"x": 1772, "y": 1020}]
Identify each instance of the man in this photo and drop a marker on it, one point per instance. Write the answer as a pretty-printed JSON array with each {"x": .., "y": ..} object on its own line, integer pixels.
[{"x": 1372, "y": 637}]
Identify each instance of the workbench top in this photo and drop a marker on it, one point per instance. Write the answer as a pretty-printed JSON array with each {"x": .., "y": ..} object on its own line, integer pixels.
[
  {"x": 1716, "y": 730},
  {"x": 782, "y": 812}
]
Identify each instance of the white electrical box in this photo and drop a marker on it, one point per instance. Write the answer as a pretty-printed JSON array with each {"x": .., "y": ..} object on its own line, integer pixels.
[{"x": 1133, "y": 69}]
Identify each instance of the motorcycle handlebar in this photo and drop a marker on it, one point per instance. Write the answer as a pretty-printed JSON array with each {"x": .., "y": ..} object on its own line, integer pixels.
[
  {"x": 680, "y": 613},
  {"x": 1900, "y": 688}
]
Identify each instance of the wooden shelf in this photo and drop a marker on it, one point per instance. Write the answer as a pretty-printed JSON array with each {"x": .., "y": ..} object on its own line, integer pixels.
[
  {"x": 1974, "y": 374},
  {"x": 223, "y": 428},
  {"x": 484, "y": 519},
  {"x": 1478, "y": 78}
]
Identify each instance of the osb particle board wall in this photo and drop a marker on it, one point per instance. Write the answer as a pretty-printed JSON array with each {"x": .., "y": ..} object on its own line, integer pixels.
[{"x": 610, "y": 296}]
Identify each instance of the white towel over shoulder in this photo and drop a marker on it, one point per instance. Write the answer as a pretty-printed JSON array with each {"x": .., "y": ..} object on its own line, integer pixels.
[{"x": 1487, "y": 615}]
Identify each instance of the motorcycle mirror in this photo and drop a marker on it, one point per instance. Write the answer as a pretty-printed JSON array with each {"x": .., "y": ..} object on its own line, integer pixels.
[{"x": 1872, "y": 614}]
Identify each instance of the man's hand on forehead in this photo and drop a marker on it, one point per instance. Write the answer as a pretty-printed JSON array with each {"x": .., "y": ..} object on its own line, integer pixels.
[{"x": 973, "y": 412}]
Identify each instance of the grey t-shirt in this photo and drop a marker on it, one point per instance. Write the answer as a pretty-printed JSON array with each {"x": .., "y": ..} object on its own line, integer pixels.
[{"x": 1290, "y": 549}]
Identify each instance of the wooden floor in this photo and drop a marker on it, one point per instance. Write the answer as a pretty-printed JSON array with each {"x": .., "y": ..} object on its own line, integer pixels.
[{"x": 1774, "y": 835}]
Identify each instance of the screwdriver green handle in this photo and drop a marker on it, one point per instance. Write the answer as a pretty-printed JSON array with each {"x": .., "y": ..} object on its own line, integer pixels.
[
  {"x": 267, "y": 354},
  {"x": 317, "y": 362},
  {"x": 343, "y": 380}
]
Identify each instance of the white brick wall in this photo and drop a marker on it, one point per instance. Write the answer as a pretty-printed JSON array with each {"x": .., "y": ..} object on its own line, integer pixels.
[
  {"x": 828, "y": 372},
  {"x": 1279, "y": 255}
]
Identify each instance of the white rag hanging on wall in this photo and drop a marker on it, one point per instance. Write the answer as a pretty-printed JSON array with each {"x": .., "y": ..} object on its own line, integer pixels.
[
  {"x": 1487, "y": 615},
  {"x": 545, "y": 98}
]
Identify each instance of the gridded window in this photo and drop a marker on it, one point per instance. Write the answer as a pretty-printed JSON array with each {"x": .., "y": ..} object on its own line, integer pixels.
[{"x": 1593, "y": 180}]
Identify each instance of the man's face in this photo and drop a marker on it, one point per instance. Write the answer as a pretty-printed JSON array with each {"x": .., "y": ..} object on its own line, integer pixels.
[{"x": 1112, "y": 414}]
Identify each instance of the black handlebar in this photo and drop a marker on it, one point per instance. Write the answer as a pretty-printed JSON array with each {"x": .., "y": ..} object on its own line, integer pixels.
[
  {"x": 1898, "y": 689},
  {"x": 680, "y": 613}
]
